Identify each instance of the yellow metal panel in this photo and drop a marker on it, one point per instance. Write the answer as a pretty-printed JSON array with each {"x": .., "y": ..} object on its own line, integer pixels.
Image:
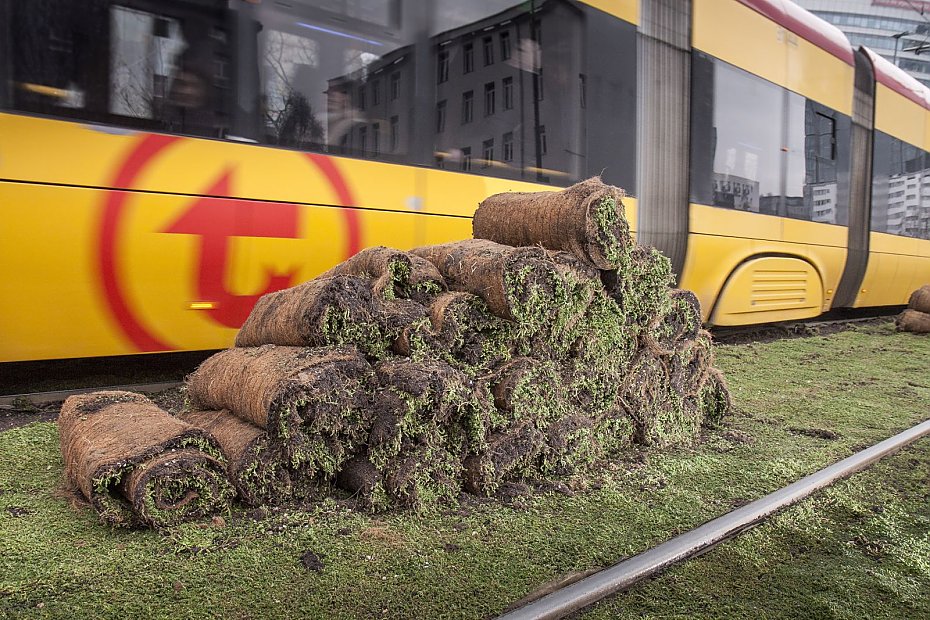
[
  {"x": 819, "y": 75},
  {"x": 900, "y": 117},
  {"x": 814, "y": 233},
  {"x": 457, "y": 193},
  {"x": 722, "y": 239},
  {"x": 54, "y": 300},
  {"x": 48, "y": 151},
  {"x": 627, "y": 10},
  {"x": 919, "y": 276},
  {"x": 769, "y": 289},
  {"x": 877, "y": 284},
  {"x": 747, "y": 39},
  {"x": 895, "y": 244},
  {"x": 705, "y": 276},
  {"x": 742, "y": 37},
  {"x": 897, "y": 266},
  {"x": 48, "y": 299},
  {"x": 718, "y": 221}
]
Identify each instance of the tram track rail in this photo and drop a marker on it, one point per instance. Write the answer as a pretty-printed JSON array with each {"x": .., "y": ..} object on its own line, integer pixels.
[
  {"x": 11, "y": 401},
  {"x": 584, "y": 592}
]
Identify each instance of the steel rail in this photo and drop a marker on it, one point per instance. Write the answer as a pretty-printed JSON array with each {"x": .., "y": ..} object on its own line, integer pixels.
[
  {"x": 42, "y": 398},
  {"x": 621, "y": 576}
]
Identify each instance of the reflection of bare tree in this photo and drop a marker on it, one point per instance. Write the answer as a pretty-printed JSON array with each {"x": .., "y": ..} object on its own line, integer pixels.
[
  {"x": 296, "y": 124},
  {"x": 289, "y": 116}
]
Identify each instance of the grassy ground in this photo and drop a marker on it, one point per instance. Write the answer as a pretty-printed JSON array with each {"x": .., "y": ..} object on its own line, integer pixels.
[{"x": 860, "y": 549}]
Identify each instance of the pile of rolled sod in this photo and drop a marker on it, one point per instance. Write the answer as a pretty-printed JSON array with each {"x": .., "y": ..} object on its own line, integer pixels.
[
  {"x": 548, "y": 341},
  {"x": 916, "y": 318}
]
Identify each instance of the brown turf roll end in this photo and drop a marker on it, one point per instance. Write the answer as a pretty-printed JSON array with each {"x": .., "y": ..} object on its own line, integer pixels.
[
  {"x": 913, "y": 321},
  {"x": 323, "y": 311},
  {"x": 304, "y": 397},
  {"x": 715, "y": 398},
  {"x": 920, "y": 299},
  {"x": 510, "y": 454},
  {"x": 396, "y": 273},
  {"x": 137, "y": 464},
  {"x": 257, "y": 467},
  {"x": 678, "y": 326},
  {"x": 509, "y": 279},
  {"x": 586, "y": 219}
]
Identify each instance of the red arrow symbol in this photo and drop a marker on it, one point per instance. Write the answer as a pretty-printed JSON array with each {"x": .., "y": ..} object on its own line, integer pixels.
[{"x": 215, "y": 220}]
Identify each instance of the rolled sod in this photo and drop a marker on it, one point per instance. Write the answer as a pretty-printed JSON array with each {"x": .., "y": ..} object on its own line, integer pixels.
[
  {"x": 466, "y": 334},
  {"x": 398, "y": 319},
  {"x": 518, "y": 284},
  {"x": 138, "y": 465},
  {"x": 529, "y": 390},
  {"x": 640, "y": 285},
  {"x": 644, "y": 394},
  {"x": 920, "y": 299},
  {"x": 395, "y": 273},
  {"x": 314, "y": 402},
  {"x": 913, "y": 321},
  {"x": 257, "y": 467},
  {"x": 602, "y": 342},
  {"x": 571, "y": 443},
  {"x": 323, "y": 311},
  {"x": 679, "y": 325},
  {"x": 422, "y": 476},
  {"x": 715, "y": 400},
  {"x": 585, "y": 219},
  {"x": 427, "y": 402},
  {"x": 510, "y": 455},
  {"x": 689, "y": 363}
]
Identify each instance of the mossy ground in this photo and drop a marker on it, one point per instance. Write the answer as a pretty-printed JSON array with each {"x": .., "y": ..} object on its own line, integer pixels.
[{"x": 858, "y": 550}]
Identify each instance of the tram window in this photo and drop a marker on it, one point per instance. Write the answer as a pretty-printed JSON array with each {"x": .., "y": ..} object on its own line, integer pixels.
[
  {"x": 577, "y": 141},
  {"x": 310, "y": 74},
  {"x": 758, "y": 147},
  {"x": 139, "y": 63},
  {"x": 318, "y": 60},
  {"x": 900, "y": 170},
  {"x": 748, "y": 122}
]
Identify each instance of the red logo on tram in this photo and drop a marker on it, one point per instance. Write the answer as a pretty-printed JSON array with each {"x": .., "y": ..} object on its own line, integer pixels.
[{"x": 215, "y": 217}]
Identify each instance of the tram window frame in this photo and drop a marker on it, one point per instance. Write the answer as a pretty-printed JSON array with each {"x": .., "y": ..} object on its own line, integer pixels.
[
  {"x": 88, "y": 32},
  {"x": 807, "y": 146}
]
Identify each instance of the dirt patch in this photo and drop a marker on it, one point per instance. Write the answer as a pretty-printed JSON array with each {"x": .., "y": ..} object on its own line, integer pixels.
[
  {"x": 739, "y": 437},
  {"x": 311, "y": 561},
  {"x": 772, "y": 332},
  {"x": 382, "y": 533},
  {"x": 817, "y": 433},
  {"x": 14, "y": 416}
]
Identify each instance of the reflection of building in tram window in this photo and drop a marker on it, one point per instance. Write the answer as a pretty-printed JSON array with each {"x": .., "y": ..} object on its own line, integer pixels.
[
  {"x": 736, "y": 192},
  {"x": 145, "y": 50},
  {"x": 346, "y": 96},
  {"x": 310, "y": 74},
  {"x": 546, "y": 137}
]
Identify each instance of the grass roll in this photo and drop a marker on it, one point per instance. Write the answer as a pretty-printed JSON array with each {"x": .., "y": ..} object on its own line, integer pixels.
[{"x": 138, "y": 465}]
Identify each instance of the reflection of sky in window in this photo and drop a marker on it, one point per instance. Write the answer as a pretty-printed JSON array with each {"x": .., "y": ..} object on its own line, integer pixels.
[
  {"x": 747, "y": 119},
  {"x": 451, "y": 14},
  {"x": 374, "y": 11}
]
